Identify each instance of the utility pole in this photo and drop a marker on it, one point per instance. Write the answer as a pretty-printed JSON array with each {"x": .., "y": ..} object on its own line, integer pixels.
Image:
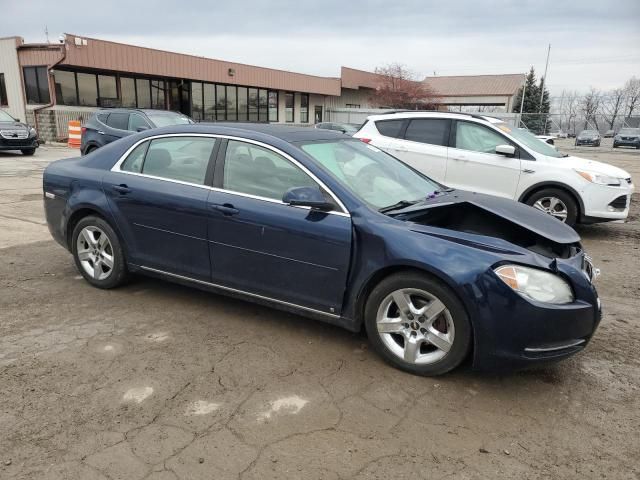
[
  {"x": 524, "y": 90},
  {"x": 544, "y": 80},
  {"x": 46, "y": 32}
]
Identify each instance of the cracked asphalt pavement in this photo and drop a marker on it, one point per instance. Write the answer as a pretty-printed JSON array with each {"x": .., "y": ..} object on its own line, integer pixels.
[{"x": 158, "y": 381}]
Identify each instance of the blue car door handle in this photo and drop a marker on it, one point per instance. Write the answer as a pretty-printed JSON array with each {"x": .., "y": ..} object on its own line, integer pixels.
[
  {"x": 121, "y": 189},
  {"x": 226, "y": 209}
]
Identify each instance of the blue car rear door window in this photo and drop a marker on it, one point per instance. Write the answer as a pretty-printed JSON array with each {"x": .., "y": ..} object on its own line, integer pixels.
[
  {"x": 179, "y": 158},
  {"x": 133, "y": 163}
]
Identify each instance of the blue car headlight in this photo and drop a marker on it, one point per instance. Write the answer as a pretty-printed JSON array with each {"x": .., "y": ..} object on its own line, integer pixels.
[{"x": 536, "y": 284}]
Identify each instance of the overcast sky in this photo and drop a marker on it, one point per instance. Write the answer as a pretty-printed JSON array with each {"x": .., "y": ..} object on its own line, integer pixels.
[{"x": 593, "y": 43}]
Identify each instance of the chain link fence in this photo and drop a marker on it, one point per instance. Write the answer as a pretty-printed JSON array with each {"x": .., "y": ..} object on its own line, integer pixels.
[{"x": 572, "y": 124}]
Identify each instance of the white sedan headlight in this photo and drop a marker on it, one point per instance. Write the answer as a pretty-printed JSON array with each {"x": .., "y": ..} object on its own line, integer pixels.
[
  {"x": 600, "y": 179},
  {"x": 536, "y": 284}
]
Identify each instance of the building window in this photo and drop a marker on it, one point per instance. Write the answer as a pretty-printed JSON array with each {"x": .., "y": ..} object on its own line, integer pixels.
[
  {"x": 288, "y": 107},
  {"x": 4, "y": 101},
  {"x": 65, "y": 85},
  {"x": 36, "y": 83},
  {"x": 304, "y": 108},
  {"x": 128, "y": 92},
  {"x": 221, "y": 103},
  {"x": 107, "y": 91},
  {"x": 87, "y": 89},
  {"x": 158, "y": 94},
  {"x": 232, "y": 104},
  {"x": 209, "y": 102},
  {"x": 273, "y": 106},
  {"x": 352, "y": 105},
  {"x": 263, "y": 106},
  {"x": 253, "y": 104},
  {"x": 197, "y": 105},
  {"x": 143, "y": 90},
  {"x": 243, "y": 104}
]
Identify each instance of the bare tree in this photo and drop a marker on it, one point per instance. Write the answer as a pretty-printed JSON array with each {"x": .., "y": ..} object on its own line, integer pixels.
[
  {"x": 612, "y": 105},
  {"x": 569, "y": 109},
  {"x": 632, "y": 94},
  {"x": 398, "y": 87},
  {"x": 590, "y": 106}
]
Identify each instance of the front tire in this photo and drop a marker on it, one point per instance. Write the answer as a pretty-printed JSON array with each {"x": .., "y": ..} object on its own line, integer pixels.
[
  {"x": 98, "y": 253},
  {"x": 417, "y": 324},
  {"x": 557, "y": 203},
  {"x": 28, "y": 151}
]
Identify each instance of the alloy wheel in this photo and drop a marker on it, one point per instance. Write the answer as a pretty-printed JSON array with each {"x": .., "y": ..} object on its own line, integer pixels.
[
  {"x": 415, "y": 326},
  {"x": 95, "y": 252},
  {"x": 553, "y": 206}
]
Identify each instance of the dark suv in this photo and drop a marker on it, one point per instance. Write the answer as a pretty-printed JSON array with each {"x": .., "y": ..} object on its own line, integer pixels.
[{"x": 108, "y": 125}]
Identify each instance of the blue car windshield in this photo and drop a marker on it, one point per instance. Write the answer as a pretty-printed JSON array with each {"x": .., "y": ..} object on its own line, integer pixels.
[{"x": 375, "y": 177}]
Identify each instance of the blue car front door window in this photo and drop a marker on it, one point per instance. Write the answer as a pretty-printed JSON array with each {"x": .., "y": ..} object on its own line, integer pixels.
[{"x": 255, "y": 170}]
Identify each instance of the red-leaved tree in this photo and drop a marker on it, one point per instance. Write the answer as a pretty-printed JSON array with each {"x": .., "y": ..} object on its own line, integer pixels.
[{"x": 398, "y": 87}]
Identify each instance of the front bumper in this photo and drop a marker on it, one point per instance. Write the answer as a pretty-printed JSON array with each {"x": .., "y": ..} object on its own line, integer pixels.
[
  {"x": 587, "y": 142},
  {"x": 627, "y": 143},
  {"x": 512, "y": 332},
  {"x": 18, "y": 144},
  {"x": 603, "y": 202}
]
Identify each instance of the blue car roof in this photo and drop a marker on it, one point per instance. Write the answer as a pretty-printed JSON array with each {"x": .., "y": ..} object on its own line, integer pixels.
[{"x": 286, "y": 133}]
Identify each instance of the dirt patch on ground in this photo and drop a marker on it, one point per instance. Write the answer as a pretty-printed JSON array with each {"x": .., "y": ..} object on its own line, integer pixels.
[{"x": 158, "y": 381}]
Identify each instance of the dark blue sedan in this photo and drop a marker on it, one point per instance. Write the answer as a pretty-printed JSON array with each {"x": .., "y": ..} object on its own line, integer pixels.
[{"x": 317, "y": 223}]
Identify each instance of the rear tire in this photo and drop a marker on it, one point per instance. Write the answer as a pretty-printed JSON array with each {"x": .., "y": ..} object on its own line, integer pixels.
[
  {"x": 98, "y": 253},
  {"x": 430, "y": 336},
  {"x": 28, "y": 151},
  {"x": 546, "y": 197}
]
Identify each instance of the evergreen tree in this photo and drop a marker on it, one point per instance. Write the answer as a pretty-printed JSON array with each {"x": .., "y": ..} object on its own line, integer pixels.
[
  {"x": 546, "y": 103},
  {"x": 531, "y": 92},
  {"x": 533, "y": 113}
]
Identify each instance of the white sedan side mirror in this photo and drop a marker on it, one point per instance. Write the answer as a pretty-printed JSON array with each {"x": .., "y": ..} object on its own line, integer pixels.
[{"x": 506, "y": 150}]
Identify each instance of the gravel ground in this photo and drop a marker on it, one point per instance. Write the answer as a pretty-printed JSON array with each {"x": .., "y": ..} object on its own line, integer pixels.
[{"x": 158, "y": 381}]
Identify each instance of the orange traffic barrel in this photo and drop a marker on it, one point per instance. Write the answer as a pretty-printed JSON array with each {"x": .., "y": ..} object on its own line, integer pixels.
[{"x": 75, "y": 133}]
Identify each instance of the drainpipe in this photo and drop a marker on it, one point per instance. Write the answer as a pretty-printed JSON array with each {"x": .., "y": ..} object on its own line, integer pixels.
[{"x": 52, "y": 92}]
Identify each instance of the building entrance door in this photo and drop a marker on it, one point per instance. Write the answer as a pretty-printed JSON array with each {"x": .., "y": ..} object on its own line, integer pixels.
[
  {"x": 317, "y": 116},
  {"x": 179, "y": 100}
]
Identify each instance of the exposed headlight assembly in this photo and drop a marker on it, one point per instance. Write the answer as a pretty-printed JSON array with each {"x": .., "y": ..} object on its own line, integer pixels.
[
  {"x": 536, "y": 284},
  {"x": 599, "y": 178}
]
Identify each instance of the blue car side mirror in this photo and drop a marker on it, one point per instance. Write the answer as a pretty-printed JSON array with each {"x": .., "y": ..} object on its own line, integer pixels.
[{"x": 307, "y": 197}]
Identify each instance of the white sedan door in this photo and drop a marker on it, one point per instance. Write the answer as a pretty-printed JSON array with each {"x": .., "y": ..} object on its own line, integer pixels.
[{"x": 473, "y": 164}]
